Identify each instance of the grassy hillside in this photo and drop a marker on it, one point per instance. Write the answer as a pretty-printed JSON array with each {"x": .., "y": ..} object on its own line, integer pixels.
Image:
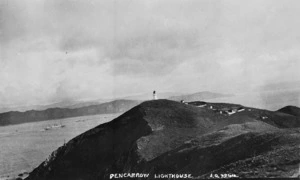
[{"x": 165, "y": 136}]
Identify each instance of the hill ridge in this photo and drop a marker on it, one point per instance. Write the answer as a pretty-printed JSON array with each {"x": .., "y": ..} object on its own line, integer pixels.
[
  {"x": 292, "y": 110},
  {"x": 155, "y": 136}
]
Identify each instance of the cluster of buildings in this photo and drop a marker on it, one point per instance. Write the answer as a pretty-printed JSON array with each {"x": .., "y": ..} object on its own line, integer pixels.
[
  {"x": 230, "y": 111},
  {"x": 225, "y": 111}
]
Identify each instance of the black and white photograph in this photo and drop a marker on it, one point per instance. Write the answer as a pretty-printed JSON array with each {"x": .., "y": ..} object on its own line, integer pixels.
[{"x": 149, "y": 89}]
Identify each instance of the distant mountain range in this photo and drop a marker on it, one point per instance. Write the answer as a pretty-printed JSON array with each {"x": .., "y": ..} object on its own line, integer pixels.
[
  {"x": 139, "y": 97},
  {"x": 15, "y": 117},
  {"x": 271, "y": 100},
  {"x": 167, "y": 137},
  {"x": 148, "y": 96},
  {"x": 199, "y": 96},
  {"x": 176, "y": 96},
  {"x": 61, "y": 104},
  {"x": 81, "y": 108},
  {"x": 82, "y": 103}
]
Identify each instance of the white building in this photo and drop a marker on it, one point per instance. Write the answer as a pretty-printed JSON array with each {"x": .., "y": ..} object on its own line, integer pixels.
[{"x": 154, "y": 95}]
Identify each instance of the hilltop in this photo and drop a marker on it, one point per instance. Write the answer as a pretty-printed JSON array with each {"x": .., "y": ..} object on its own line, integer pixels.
[
  {"x": 15, "y": 117},
  {"x": 292, "y": 110},
  {"x": 199, "y": 138}
]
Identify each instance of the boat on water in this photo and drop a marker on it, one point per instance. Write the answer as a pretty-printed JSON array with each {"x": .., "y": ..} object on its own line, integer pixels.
[{"x": 54, "y": 126}]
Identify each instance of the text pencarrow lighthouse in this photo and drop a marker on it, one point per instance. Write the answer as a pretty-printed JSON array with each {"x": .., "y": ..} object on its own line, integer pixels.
[{"x": 154, "y": 95}]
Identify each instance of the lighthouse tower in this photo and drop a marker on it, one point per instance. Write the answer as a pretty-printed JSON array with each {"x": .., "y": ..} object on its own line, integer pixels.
[{"x": 154, "y": 95}]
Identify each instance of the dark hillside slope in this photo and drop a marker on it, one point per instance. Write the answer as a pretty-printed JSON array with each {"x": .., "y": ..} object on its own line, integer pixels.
[
  {"x": 292, "y": 110},
  {"x": 164, "y": 136},
  {"x": 244, "y": 149},
  {"x": 15, "y": 117}
]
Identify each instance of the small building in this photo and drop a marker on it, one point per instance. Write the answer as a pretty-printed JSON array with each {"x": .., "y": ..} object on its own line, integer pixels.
[
  {"x": 230, "y": 111},
  {"x": 154, "y": 95},
  {"x": 240, "y": 109}
]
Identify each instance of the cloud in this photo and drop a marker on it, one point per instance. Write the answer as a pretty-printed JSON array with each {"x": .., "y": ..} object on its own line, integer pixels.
[
  {"x": 155, "y": 54},
  {"x": 76, "y": 49}
]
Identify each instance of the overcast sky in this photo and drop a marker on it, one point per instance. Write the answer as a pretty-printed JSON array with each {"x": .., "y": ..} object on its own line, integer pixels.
[{"x": 91, "y": 49}]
